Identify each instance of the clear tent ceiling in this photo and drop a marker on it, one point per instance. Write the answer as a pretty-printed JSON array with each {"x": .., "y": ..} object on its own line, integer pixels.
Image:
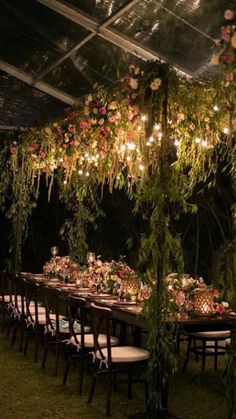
[{"x": 60, "y": 49}]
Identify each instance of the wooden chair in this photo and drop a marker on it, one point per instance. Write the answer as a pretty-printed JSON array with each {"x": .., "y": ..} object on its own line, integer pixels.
[
  {"x": 35, "y": 316},
  {"x": 110, "y": 359},
  {"x": 206, "y": 344},
  {"x": 54, "y": 334}
]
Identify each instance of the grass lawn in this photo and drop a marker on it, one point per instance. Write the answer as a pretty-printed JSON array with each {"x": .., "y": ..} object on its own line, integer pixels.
[{"x": 28, "y": 393}]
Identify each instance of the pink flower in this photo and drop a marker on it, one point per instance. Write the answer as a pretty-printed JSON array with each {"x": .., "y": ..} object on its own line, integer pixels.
[
  {"x": 220, "y": 309},
  {"x": 71, "y": 128},
  {"x": 42, "y": 155},
  {"x": 103, "y": 110},
  {"x": 229, "y": 14},
  {"x": 180, "y": 298},
  {"x": 84, "y": 125},
  {"x": 112, "y": 118},
  {"x": 225, "y": 33},
  {"x": 118, "y": 115}
]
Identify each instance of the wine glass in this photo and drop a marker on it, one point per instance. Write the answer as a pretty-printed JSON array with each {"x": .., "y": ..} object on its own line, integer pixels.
[{"x": 54, "y": 251}]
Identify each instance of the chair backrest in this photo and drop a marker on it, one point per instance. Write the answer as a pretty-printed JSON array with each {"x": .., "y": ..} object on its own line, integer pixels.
[
  {"x": 100, "y": 323},
  {"x": 31, "y": 300},
  {"x": 77, "y": 313}
]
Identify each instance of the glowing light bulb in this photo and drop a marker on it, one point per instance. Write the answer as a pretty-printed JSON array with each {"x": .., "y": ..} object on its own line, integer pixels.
[
  {"x": 122, "y": 147},
  {"x": 86, "y": 155},
  {"x": 144, "y": 118},
  {"x": 176, "y": 143},
  {"x": 216, "y": 108},
  {"x": 65, "y": 182},
  {"x": 226, "y": 130},
  {"x": 87, "y": 174},
  {"x": 157, "y": 127},
  {"x": 139, "y": 128},
  {"x": 204, "y": 143},
  {"x": 141, "y": 167},
  {"x": 80, "y": 172},
  {"x": 128, "y": 158},
  {"x": 148, "y": 144},
  {"x": 131, "y": 146},
  {"x": 151, "y": 139},
  {"x": 197, "y": 140}
]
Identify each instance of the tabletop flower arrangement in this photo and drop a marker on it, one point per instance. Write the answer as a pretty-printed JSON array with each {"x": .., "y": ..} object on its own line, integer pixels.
[
  {"x": 57, "y": 266},
  {"x": 114, "y": 277},
  {"x": 192, "y": 296}
]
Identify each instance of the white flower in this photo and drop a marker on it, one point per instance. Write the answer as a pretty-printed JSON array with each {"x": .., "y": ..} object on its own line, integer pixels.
[
  {"x": 133, "y": 83},
  {"x": 155, "y": 84},
  {"x": 112, "y": 105}
]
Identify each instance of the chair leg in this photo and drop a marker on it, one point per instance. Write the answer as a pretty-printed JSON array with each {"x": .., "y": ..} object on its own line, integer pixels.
[
  {"x": 216, "y": 355},
  {"x": 81, "y": 374},
  {"x": 203, "y": 360},
  {"x": 195, "y": 349},
  {"x": 36, "y": 346},
  {"x": 92, "y": 389},
  {"x": 45, "y": 355},
  {"x": 14, "y": 333},
  {"x": 26, "y": 344},
  {"x": 187, "y": 354},
  {"x": 109, "y": 389},
  {"x": 66, "y": 372},
  {"x": 56, "y": 359},
  {"x": 22, "y": 337},
  {"x": 130, "y": 382}
]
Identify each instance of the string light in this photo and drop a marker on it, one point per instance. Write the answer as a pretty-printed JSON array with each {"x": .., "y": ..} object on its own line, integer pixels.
[
  {"x": 226, "y": 130},
  {"x": 197, "y": 140},
  {"x": 148, "y": 144},
  {"x": 139, "y": 128},
  {"x": 151, "y": 139},
  {"x": 144, "y": 118},
  {"x": 128, "y": 158},
  {"x": 65, "y": 182},
  {"x": 80, "y": 172},
  {"x": 87, "y": 174},
  {"x": 176, "y": 143},
  {"x": 216, "y": 108},
  {"x": 131, "y": 146},
  {"x": 122, "y": 147},
  {"x": 141, "y": 167},
  {"x": 157, "y": 127},
  {"x": 204, "y": 143}
]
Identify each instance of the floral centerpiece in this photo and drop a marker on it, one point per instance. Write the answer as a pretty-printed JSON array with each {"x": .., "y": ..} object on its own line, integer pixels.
[
  {"x": 114, "y": 277},
  {"x": 58, "y": 266},
  {"x": 191, "y": 296}
]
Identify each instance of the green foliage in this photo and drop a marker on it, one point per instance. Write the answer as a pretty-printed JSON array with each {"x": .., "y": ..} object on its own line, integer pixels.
[{"x": 82, "y": 204}]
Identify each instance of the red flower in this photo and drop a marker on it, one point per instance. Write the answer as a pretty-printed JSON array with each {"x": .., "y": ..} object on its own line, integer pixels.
[
  {"x": 71, "y": 128},
  {"x": 72, "y": 115},
  {"x": 104, "y": 131},
  {"x": 216, "y": 293},
  {"x": 42, "y": 155}
]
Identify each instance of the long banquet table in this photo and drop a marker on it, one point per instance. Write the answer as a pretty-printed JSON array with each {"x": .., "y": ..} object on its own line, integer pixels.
[{"x": 131, "y": 313}]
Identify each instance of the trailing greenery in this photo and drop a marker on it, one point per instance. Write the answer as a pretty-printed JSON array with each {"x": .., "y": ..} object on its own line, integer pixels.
[{"x": 82, "y": 206}]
